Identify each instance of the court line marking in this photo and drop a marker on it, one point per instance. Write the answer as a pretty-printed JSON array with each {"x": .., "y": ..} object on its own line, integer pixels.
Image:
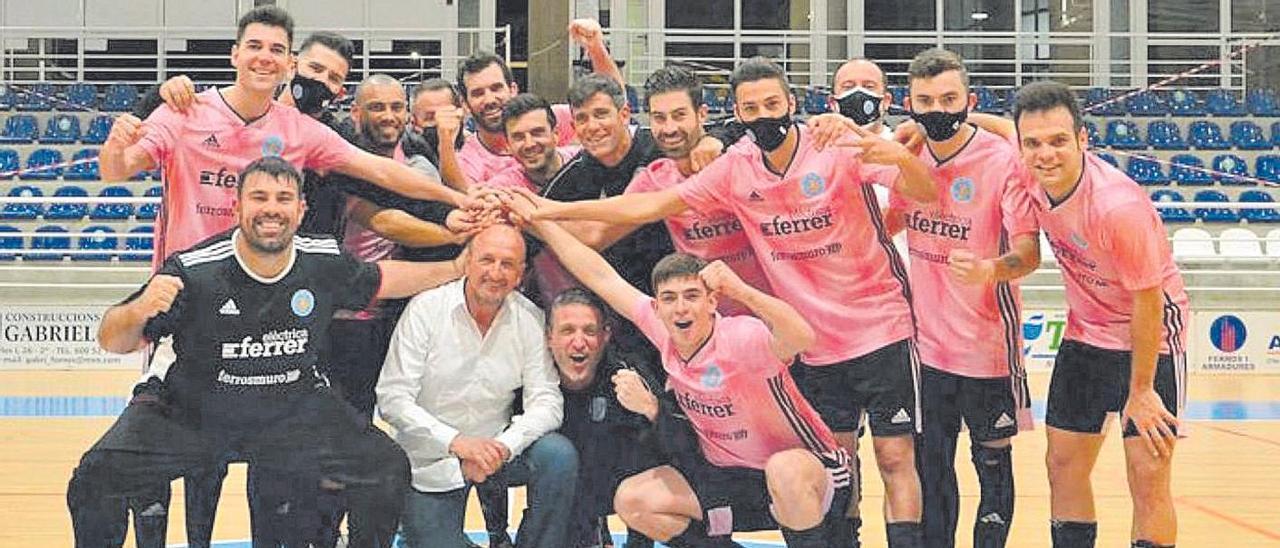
[
  {"x": 1227, "y": 518},
  {"x": 1259, "y": 439}
]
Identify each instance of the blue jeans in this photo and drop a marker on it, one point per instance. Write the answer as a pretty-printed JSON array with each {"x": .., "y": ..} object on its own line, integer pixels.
[{"x": 549, "y": 468}]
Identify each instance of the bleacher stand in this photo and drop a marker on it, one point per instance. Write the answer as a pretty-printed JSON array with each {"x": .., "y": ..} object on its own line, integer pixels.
[
  {"x": 87, "y": 171},
  {"x": 1239, "y": 243},
  {"x": 1097, "y": 105},
  {"x": 56, "y": 244},
  {"x": 138, "y": 244},
  {"x": 1162, "y": 135},
  {"x": 990, "y": 101},
  {"x": 1123, "y": 134},
  {"x": 1110, "y": 159},
  {"x": 1146, "y": 171},
  {"x": 1193, "y": 243},
  {"x": 13, "y": 211},
  {"x": 1146, "y": 103},
  {"x": 81, "y": 96},
  {"x": 1262, "y": 102},
  {"x": 1246, "y": 135},
  {"x": 148, "y": 211},
  {"x": 1258, "y": 215},
  {"x": 9, "y": 164},
  {"x": 116, "y": 212},
  {"x": 10, "y": 245},
  {"x": 1172, "y": 214},
  {"x": 1185, "y": 103},
  {"x": 7, "y": 97},
  {"x": 99, "y": 129},
  {"x": 1214, "y": 214},
  {"x": 1230, "y": 169},
  {"x": 815, "y": 102},
  {"x": 119, "y": 98},
  {"x": 1092, "y": 129},
  {"x": 1267, "y": 168}
]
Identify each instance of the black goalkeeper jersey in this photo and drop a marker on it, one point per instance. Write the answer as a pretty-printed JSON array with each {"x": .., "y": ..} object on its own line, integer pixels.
[{"x": 246, "y": 344}]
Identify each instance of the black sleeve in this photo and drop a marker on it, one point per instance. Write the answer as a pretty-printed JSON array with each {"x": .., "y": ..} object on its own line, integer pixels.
[
  {"x": 354, "y": 283},
  {"x": 148, "y": 103},
  {"x": 163, "y": 324},
  {"x": 728, "y": 131}
]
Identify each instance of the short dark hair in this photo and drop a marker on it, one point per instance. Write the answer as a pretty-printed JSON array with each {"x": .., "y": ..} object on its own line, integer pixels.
[
  {"x": 588, "y": 86},
  {"x": 671, "y": 78},
  {"x": 333, "y": 41},
  {"x": 479, "y": 61},
  {"x": 578, "y": 295},
  {"x": 934, "y": 61},
  {"x": 271, "y": 166},
  {"x": 1047, "y": 95},
  {"x": 525, "y": 103},
  {"x": 676, "y": 265},
  {"x": 757, "y": 68},
  {"x": 436, "y": 84},
  {"x": 269, "y": 15}
]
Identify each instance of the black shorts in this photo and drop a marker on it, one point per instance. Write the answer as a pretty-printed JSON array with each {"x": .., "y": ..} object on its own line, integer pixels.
[
  {"x": 1089, "y": 383},
  {"x": 737, "y": 499},
  {"x": 985, "y": 405},
  {"x": 883, "y": 383}
]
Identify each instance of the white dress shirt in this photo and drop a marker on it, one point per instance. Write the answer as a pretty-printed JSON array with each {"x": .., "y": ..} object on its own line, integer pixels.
[{"x": 442, "y": 378}]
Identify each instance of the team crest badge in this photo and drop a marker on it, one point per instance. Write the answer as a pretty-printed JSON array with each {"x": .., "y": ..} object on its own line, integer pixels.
[
  {"x": 812, "y": 185},
  {"x": 712, "y": 377},
  {"x": 962, "y": 190},
  {"x": 273, "y": 146},
  {"x": 303, "y": 302}
]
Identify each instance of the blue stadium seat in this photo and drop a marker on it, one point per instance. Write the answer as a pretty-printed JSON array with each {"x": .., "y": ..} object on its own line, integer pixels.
[
  {"x": 1228, "y": 166},
  {"x": 1145, "y": 103},
  {"x": 61, "y": 130},
  {"x": 23, "y": 211},
  {"x": 899, "y": 94},
  {"x": 1094, "y": 103},
  {"x": 9, "y": 164},
  {"x": 1123, "y": 134},
  {"x": 1267, "y": 168},
  {"x": 113, "y": 211},
  {"x": 1146, "y": 171},
  {"x": 68, "y": 212},
  {"x": 1174, "y": 214},
  {"x": 1206, "y": 135},
  {"x": 1246, "y": 135},
  {"x": 8, "y": 96},
  {"x": 19, "y": 129},
  {"x": 1222, "y": 102},
  {"x": 81, "y": 96},
  {"x": 148, "y": 211},
  {"x": 1109, "y": 158},
  {"x": 10, "y": 246},
  {"x": 1184, "y": 102},
  {"x": 104, "y": 239},
  {"x": 713, "y": 100},
  {"x": 633, "y": 99},
  {"x": 55, "y": 244},
  {"x": 43, "y": 164},
  {"x": 99, "y": 129},
  {"x": 1269, "y": 215},
  {"x": 1214, "y": 214},
  {"x": 1162, "y": 135},
  {"x": 1094, "y": 138},
  {"x": 1181, "y": 173},
  {"x": 1275, "y": 133},
  {"x": 1262, "y": 102},
  {"x": 119, "y": 98},
  {"x": 1258, "y": 215},
  {"x": 990, "y": 101},
  {"x": 816, "y": 101},
  {"x": 139, "y": 243},
  {"x": 36, "y": 98},
  {"x": 86, "y": 171}
]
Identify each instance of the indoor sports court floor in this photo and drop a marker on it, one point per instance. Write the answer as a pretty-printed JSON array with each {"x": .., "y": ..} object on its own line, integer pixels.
[{"x": 1227, "y": 474}]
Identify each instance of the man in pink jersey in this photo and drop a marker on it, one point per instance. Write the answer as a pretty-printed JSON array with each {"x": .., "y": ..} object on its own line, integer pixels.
[
  {"x": 676, "y": 118},
  {"x": 200, "y": 152},
  {"x": 813, "y": 222},
  {"x": 1123, "y": 349},
  {"x": 967, "y": 250},
  {"x": 764, "y": 452}
]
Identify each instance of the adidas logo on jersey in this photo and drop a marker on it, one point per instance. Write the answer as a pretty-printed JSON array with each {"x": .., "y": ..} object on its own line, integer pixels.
[
  {"x": 229, "y": 309},
  {"x": 212, "y": 141},
  {"x": 901, "y": 417},
  {"x": 755, "y": 197},
  {"x": 1004, "y": 421}
]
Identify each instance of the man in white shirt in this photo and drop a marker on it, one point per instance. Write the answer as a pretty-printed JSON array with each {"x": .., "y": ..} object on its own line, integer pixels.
[{"x": 457, "y": 358}]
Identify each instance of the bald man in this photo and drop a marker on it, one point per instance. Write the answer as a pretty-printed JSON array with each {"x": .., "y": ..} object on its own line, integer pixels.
[{"x": 448, "y": 387}]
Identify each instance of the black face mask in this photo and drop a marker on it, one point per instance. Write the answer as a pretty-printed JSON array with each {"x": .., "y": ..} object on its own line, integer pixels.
[
  {"x": 432, "y": 136},
  {"x": 769, "y": 133},
  {"x": 859, "y": 105},
  {"x": 309, "y": 96},
  {"x": 940, "y": 126}
]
